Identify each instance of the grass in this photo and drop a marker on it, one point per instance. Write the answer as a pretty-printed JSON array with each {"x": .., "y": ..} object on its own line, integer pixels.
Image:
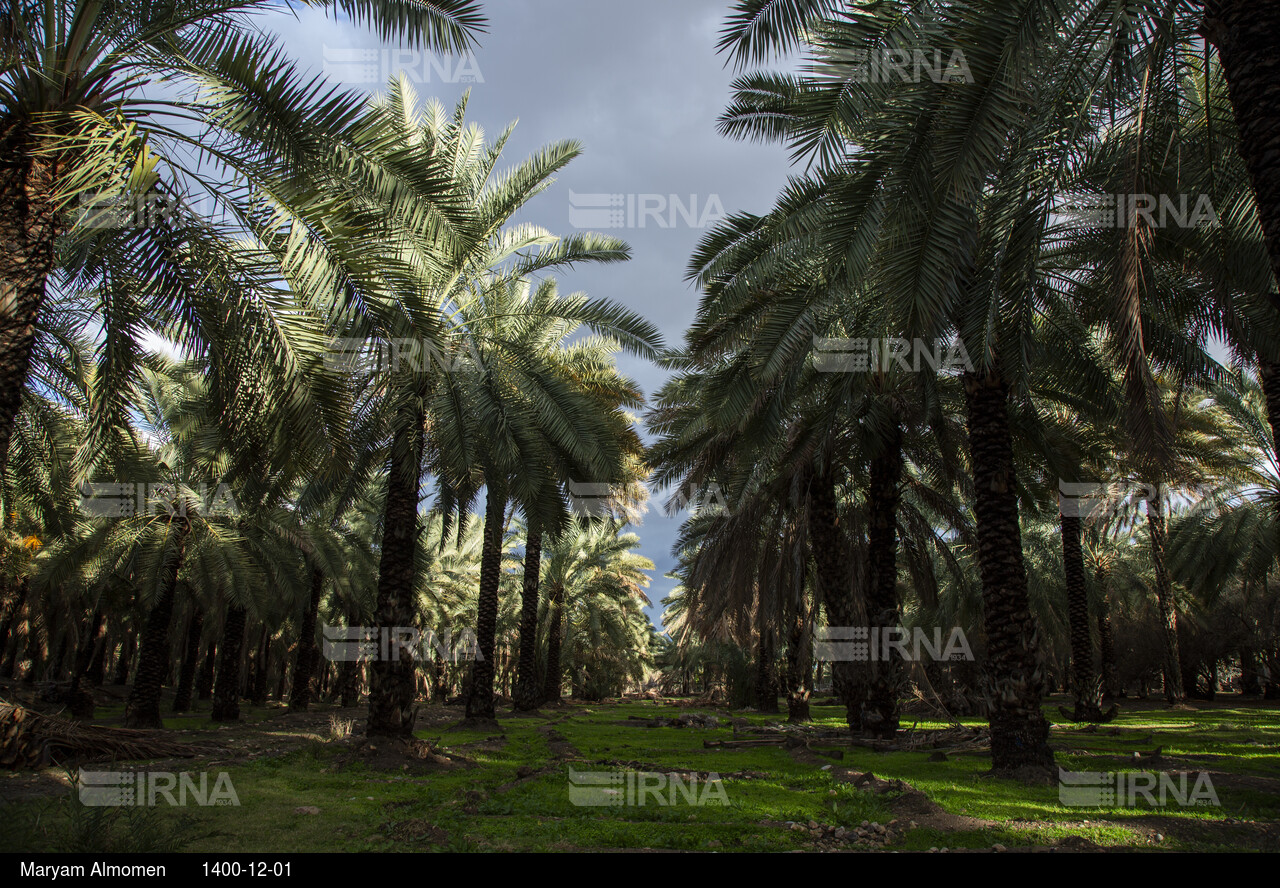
[{"x": 516, "y": 795}]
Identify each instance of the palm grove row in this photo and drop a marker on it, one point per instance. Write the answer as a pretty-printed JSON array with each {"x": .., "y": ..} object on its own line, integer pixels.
[{"x": 1089, "y": 474}]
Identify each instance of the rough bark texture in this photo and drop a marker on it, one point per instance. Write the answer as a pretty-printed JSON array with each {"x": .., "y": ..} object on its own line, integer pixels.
[
  {"x": 349, "y": 671},
  {"x": 1106, "y": 640},
  {"x": 1172, "y": 666},
  {"x": 480, "y": 699},
  {"x": 555, "y": 617},
  {"x": 1019, "y": 730},
  {"x": 1084, "y": 681},
  {"x": 766, "y": 688},
  {"x": 304, "y": 665},
  {"x": 79, "y": 701},
  {"x": 226, "y": 690},
  {"x": 55, "y": 668},
  {"x": 142, "y": 710},
  {"x": 37, "y": 649},
  {"x": 835, "y": 584},
  {"x": 11, "y": 640},
  {"x": 1250, "y": 683},
  {"x": 528, "y": 694},
  {"x": 1192, "y": 670},
  {"x": 1244, "y": 33},
  {"x": 204, "y": 684},
  {"x": 799, "y": 665},
  {"x": 349, "y": 684},
  {"x": 98, "y": 666},
  {"x": 190, "y": 662},
  {"x": 319, "y": 675},
  {"x": 392, "y": 680},
  {"x": 886, "y": 673},
  {"x": 262, "y": 670},
  {"x": 1271, "y": 690},
  {"x": 28, "y": 233},
  {"x": 11, "y": 610},
  {"x": 128, "y": 648}
]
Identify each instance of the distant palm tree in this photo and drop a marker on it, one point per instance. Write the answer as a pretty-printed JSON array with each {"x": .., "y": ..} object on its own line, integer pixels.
[
  {"x": 596, "y": 628},
  {"x": 458, "y": 254},
  {"x": 539, "y": 413}
]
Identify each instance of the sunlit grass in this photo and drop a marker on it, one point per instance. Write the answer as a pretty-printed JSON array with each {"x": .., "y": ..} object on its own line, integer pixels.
[{"x": 514, "y": 793}]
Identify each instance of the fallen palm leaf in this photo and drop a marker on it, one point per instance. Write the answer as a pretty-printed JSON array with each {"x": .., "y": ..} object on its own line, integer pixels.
[{"x": 31, "y": 740}]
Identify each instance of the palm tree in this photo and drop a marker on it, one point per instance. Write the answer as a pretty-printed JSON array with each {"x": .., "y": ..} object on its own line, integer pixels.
[
  {"x": 457, "y": 257},
  {"x": 1222, "y": 550},
  {"x": 1106, "y": 54},
  {"x": 78, "y": 124},
  {"x": 559, "y": 409},
  {"x": 595, "y": 625},
  {"x": 528, "y": 693},
  {"x": 1241, "y": 32},
  {"x": 1178, "y": 286},
  {"x": 960, "y": 187}
]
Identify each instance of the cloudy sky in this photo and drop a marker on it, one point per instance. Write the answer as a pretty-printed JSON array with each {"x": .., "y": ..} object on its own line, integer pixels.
[{"x": 641, "y": 86}]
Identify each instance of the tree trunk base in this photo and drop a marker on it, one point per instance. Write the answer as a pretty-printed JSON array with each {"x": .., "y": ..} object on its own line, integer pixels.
[{"x": 1092, "y": 715}]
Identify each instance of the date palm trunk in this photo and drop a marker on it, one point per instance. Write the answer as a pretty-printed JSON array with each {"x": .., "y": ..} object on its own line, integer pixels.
[
  {"x": 79, "y": 701},
  {"x": 800, "y": 619},
  {"x": 528, "y": 694},
  {"x": 1250, "y": 685},
  {"x": 1244, "y": 33},
  {"x": 304, "y": 664},
  {"x": 142, "y": 710},
  {"x": 349, "y": 683},
  {"x": 480, "y": 703},
  {"x": 98, "y": 666},
  {"x": 835, "y": 585},
  {"x": 349, "y": 671},
  {"x": 124, "y": 662},
  {"x": 766, "y": 671},
  {"x": 263, "y": 669},
  {"x": 799, "y": 663},
  {"x": 190, "y": 662},
  {"x": 1084, "y": 681},
  {"x": 28, "y": 234},
  {"x": 1171, "y": 668},
  {"x": 880, "y": 714},
  {"x": 1019, "y": 729},
  {"x": 392, "y": 681},
  {"x": 555, "y": 632},
  {"x": 37, "y": 650},
  {"x": 204, "y": 684},
  {"x": 10, "y": 642},
  {"x": 226, "y": 689},
  {"x": 1106, "y": 639}
]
